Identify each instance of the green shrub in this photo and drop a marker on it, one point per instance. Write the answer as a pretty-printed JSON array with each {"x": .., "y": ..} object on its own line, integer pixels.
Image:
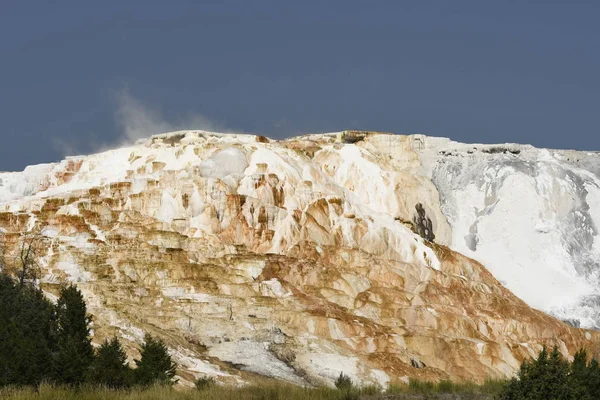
[
  {"x": 343, "y": 382},
  {"x": 204, "y": 382}
]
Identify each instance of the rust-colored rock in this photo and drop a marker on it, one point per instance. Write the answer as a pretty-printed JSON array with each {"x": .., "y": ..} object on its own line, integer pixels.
[{"x": 297, "y": 268}]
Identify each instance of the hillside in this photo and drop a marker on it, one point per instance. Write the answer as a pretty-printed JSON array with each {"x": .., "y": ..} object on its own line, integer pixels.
[{"x": 303, "y": 258}]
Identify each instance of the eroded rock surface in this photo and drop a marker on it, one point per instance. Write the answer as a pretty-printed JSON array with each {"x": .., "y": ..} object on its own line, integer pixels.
[
  {"x": 295, "y": 259},
  {"x": 531, "y": 216}
]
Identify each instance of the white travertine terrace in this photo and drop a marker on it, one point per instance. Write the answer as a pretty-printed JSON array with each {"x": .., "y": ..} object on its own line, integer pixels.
[{"x": 298, "y": 259}]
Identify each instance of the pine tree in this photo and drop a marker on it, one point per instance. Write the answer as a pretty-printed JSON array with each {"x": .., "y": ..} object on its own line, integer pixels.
[
  {"x": 11, "y": 336},
  {"x": 513, "y": 390},
  {"x": 593, "y": 379},
  {"x": 110, "y": 366},
  {"x": 75, "y": 351},
  {"x": 557, "y": 382},
  {"x": 533, "y": 377},
  {"x": 155, "y": 364},
  {"x": 550, "y": 376},
  {"x": 27, "y": 327},
  {"x": 580, "y": 373}
]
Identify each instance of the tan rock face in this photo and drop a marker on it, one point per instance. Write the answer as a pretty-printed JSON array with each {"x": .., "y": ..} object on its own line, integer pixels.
[{"x": 291, "y": 259}]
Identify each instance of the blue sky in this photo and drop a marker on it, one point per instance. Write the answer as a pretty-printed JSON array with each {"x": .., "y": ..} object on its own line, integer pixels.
[{"x": 79, "y": 76}]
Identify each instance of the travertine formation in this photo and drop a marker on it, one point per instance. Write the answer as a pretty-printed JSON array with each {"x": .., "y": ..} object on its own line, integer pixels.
[
  {"x": 531, "y": 216},
  {"x": 295, "y": 259}
]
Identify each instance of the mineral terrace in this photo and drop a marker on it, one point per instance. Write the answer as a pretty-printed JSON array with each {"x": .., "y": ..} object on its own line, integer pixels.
[{"x": 303, "y": 258}]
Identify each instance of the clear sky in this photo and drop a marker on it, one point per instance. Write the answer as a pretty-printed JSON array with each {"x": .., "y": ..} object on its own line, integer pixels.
[{"x": 78, "y": 76}]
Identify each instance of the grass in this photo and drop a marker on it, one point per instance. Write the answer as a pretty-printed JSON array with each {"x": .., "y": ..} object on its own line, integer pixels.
[
  {"x": 213, "y": 392},
  {"x": 489, "y": 388},
  {"x": 278, "y": 391}
]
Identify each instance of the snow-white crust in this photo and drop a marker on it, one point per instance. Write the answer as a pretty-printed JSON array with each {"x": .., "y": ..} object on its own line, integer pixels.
[
  {"x": 529, "y": 215},
  {"x": 343, "y": 195},
  {"x": 348, "y": 172}
]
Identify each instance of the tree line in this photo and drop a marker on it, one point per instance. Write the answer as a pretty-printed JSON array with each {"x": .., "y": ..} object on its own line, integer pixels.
[
  {"x": 45, "y": 342},
  {"x": 551, "y": 377}
]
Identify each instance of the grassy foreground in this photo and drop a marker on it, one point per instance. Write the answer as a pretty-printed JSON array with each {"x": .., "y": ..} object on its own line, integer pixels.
[{"x": 416, "y": 390}]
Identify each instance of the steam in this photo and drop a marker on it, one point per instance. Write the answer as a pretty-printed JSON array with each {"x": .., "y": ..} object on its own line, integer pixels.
[
  {"x": 136, "y": 120},
  {"x": 65, "y": 147}
]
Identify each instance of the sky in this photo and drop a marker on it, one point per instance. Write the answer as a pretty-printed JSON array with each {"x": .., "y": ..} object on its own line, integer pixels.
[{"x": 82, "y": 76}]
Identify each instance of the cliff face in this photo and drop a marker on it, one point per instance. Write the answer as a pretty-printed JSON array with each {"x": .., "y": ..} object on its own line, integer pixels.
[
  {"x": 529, "y": 215},
  {"x": 293, "y": 259}
]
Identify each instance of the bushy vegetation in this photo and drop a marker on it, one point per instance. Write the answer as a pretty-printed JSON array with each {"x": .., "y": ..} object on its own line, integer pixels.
[
  {"x": 204, "y": 383},
  {"x": 550, "y": 376},
  {"x": 343, "y": 382},
  {"x": 43, "y": 342}
]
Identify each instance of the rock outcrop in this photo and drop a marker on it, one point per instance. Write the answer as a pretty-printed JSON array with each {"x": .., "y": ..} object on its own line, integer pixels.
[
  {"x": 531, "y": 216},
  {"x": 296, "y": 259}
]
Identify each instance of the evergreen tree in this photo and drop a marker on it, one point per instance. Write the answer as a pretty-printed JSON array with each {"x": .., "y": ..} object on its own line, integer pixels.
[
  {"x": 593, "y": 379},
  {"x": 558, "y": 383},
  {"x": 550, "y": 376},
  {"x": 110, "y": 366},
  {"x": 27, "y": 328},
  {"x": 75, "y": 351},
  {"x": 580, "y": 373},
  {"x": 155, "y": 364},
  {"x": 11, "y": 337},
  {"x": 533, "y": 377},
  {"x": 513, "y": 390}
]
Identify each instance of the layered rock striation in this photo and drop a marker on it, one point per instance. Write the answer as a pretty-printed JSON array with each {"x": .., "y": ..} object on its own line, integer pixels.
[{"x": 296, "y": 259}]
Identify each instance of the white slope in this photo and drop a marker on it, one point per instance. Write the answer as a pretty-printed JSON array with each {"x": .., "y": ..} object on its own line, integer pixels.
[
  {"x": 529, "y": 215},
  {"x": 366, "y": 187}
]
